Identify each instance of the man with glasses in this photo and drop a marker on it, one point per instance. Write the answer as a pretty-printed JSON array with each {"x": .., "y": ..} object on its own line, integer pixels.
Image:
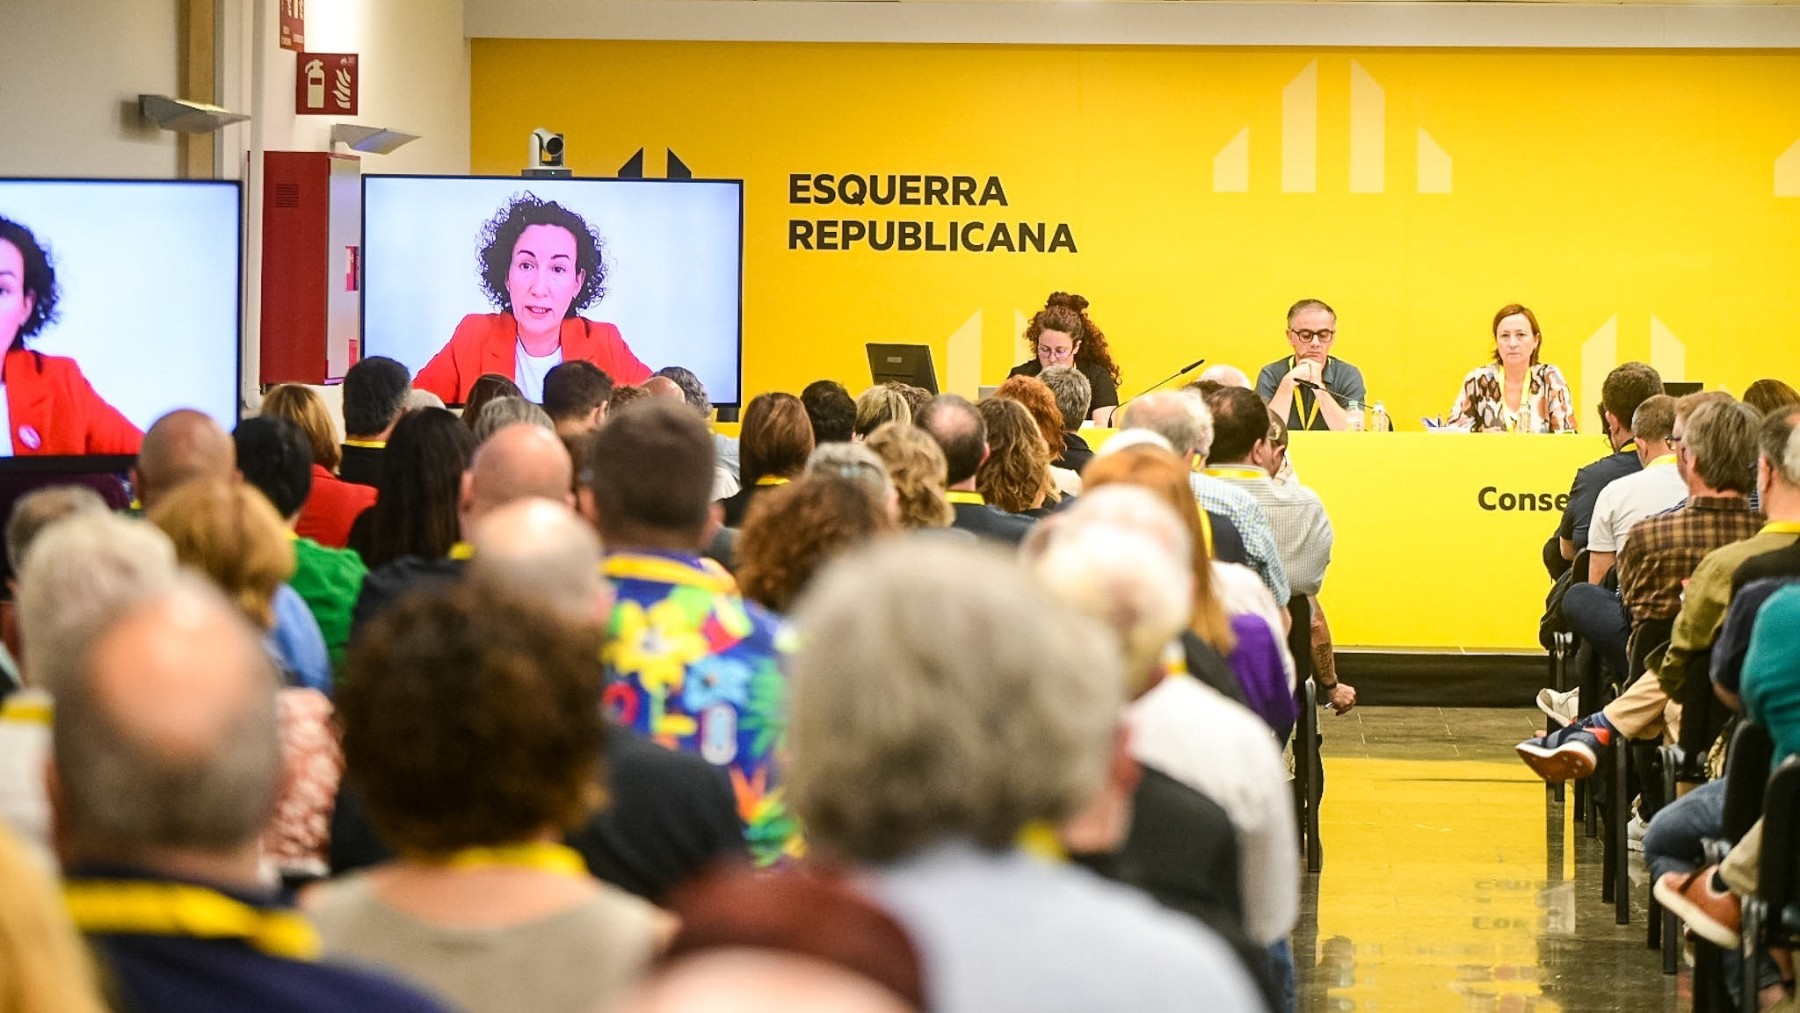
[{"x": 1334, "y": 383}]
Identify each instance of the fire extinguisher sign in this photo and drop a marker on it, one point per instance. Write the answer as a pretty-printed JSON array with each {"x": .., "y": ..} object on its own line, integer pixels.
[{"x": 325, "y": 84}]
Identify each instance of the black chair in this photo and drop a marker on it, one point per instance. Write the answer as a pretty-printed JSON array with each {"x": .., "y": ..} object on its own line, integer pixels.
[
  {"x": 1746, "y": 779},
  {"x": 1772, "y": 914},
  {"x": 1309, "y": 766}
]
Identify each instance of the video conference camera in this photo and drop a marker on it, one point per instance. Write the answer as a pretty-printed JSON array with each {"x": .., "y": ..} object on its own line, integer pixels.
[{"x": 546, "y": 155}]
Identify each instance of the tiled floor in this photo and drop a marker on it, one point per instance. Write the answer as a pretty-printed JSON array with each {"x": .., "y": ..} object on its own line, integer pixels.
[{"x": 1452, "y": 883}]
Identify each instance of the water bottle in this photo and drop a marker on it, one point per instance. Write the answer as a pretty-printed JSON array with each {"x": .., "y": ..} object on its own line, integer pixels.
[
  {"x": 1378, "y": 420},
  {"x": 1353, "y": 410}
]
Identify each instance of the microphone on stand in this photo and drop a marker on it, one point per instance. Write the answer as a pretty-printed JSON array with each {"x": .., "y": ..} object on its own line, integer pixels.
[{"x": 1189, "y": 368}]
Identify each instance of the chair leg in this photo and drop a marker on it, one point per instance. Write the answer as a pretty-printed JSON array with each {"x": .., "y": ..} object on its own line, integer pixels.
[
  {"x": 1619, "y": 832},
  {"x": 1749, "y": 963},
  {"x": 1671, "y": 942}
]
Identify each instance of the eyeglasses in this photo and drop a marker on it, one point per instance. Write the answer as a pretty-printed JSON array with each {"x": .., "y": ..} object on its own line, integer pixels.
[
  {"x": 1321, "y": 337},
  {"x": 1055, "y": 353}
]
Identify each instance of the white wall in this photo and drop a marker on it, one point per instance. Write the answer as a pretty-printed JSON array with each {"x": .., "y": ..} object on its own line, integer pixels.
[{"x": 70, "y": 75}]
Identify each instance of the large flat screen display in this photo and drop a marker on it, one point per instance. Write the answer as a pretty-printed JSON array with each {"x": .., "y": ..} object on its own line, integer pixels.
[
  {"x": 464, "y": 276},
  {"x": 119, "y": 301}
]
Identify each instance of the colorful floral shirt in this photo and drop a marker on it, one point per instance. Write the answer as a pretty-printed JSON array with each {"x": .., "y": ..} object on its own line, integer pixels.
[
  {"x": 1545, "y": 406},
  {"x": 692, "y": 665}
]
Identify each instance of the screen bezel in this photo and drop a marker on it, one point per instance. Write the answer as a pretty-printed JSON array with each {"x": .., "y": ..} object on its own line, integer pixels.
[
  {"x": 362, "y": 263},
  {"x": 121, "y": 464}
]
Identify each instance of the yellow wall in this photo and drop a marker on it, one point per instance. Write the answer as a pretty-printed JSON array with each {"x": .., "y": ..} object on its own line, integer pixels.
[{"x": 1631, "y": 198}]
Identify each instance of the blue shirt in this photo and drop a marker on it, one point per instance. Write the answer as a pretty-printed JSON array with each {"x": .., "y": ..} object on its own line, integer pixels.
[{"x": 296, "y": 643}]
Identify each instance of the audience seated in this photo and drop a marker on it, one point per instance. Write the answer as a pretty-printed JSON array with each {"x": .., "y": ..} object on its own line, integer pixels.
[
  {"x": 575, "y": 396},
  {"x": 1015, "y": 477},
  {"x": 773, "y": 446},
  {"x": 415, "y": 511},
  {"x": 1073, "y": 393},
  {"x": 182, "y": 446},
  {"x": 374, "y": 392},
  {"x": 472, "y": 732},
  {"x": 160, "y": 809},
  {"x": 922, "y": 758},
  {"x": 831, "y": 410},
  {"x": 877, "y": 406},
  {"x": 487, "y": 387},
  {"x": 1769, "y": 394},
  {"x": 689, "y": 662},
  {"x": 915, "y": 464},
  {"x": 793, "y": 531},
  {"x": 1040, "y": 401},
  {"x": 961, "y": 433},
  {"x": 333, "y": 504},
  {"x": 1625, "y": 388}
]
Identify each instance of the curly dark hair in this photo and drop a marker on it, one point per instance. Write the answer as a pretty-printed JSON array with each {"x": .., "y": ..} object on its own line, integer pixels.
[
  {"x": 792, "y": 531},
  {"x": 501, "y": 234},
  {"x": 39, "y": 282},
  {"x": 1016, "y": 475},
  {"x": 471, "y": 719},
  {"x": 1037, "y": 398},
  {"x": 1067, "y": 312}
]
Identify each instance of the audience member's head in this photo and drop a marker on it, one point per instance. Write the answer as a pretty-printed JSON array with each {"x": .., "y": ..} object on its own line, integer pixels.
[
  {"x": 1719, "y": 445},
  {"x": 792, "y": 943},
  {"x": 1035, "y": 395},
  {"x": 855, "y": 462},
  {"x": 518, "y": 462},
  {"x": 915, "y": 463},
  {"x": 623, "y": 395},
  {"x": 662, "y": 386},
  {"x": 831, "y": 411},
  {"x": 374, "y": 397},
  {"x": 1073, "y": 392},
  {"x": 1768, "y": 394},
  {"x": 36, "y": 511},
  {"x": 304, "y": 406},
  {"x": 575, "y": 395},
  {"x": 182, "y": 446},
  {"x": 1654, "y": 420},
  {"x": 277, "y": 460},
  {"x": 775, "y": 440},
  {"x": 648, "y": 478},
  {"x": 539, "y": 548},
  {"x": 1016, "y": 475},
  {"x": 1240, "y": 421},
  {"x": 1778, "y": 469},
  {"x": 878, "y": 406},
  {"x": 75, "y": 570},
  {"x": 418, "y": 397},
  {"x": 692, "y": 390},
  {"x": 1180, "y": 417},
  {"x": 916, "y": 397},
  {"x": 939, "y": 692},
  {"x": 507, "y": 411},
  {"x": 1165, "y": 475},
  {"x": 791, "y": 532},
  {"x": 415, "y": 511},
  {"x": 1133, "y": 578},
  {"x": 960, "y": 433},
  {"x": 1626, "y": 387},
  {"x": 165, "y": 736},
  {"x": 472, "y": 720},
  {"x": 1225, "y": 375},
  {"x": 232, "y": 535},
  {"x": 487, "y": 387}
]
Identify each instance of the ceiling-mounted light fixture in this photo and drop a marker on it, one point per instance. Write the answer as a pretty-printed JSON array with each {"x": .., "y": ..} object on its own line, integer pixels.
[
  {"x": 187, "y": 117},
  {"x": 372, "y": 140}
]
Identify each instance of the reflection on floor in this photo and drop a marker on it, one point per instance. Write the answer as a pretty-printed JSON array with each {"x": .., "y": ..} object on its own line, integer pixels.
[{"x": 1451, "y": 883}]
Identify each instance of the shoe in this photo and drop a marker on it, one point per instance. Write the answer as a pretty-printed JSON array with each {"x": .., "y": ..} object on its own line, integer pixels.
[
  {"x": 1634, "y": 834},
  {"x": 1567, "y": 754},
  {"x": 1559, "y": 706},
  {"x": 1712, "y": 915}
]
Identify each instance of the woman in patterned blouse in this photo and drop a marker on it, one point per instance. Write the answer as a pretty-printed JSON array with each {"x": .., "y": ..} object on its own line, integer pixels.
[{"x": 1515, "y": 393}]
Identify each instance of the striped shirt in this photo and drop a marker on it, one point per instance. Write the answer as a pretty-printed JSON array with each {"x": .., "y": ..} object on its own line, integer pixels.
[
  {"x": 1296, "y": 517},
  {"x": 1242, "y": 510}
]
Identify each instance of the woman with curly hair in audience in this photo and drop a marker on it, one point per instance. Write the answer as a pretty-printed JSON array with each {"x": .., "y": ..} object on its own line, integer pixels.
[
  {"x": 415, "y": 512},
  {"x": 878, "y": 406},
  {"x": 1038, "y": 399},
  {"x": 333, "y": 504},
  {"x": 773, "y": 445},
  {"x": 1062, "y": 334},
  {"x": 1016, "y": 475},
  {"x": 916, "y": 465},
  {"x": 1256, "y": 669},
  {"x": 793, "y": 531}
]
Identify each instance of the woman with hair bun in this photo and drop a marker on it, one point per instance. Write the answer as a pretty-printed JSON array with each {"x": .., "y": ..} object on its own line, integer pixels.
[
  {"x": 1062, "y": 334},
  {"x": 540, "y": 263}
]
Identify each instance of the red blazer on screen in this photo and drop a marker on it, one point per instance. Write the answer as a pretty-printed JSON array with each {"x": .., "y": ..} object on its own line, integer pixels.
[
  {"x": 331, "y": 508},
  {"x": 487, "y": 343},
  {"x": 52, "y": 409}
]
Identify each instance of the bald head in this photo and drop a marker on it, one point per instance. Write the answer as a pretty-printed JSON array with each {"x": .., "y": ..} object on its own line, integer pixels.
[
  {"x": 518, "y": 461},
  {"x": 139, "y": 777},
  {"x": 1226, "y": 376},
  {"x": 1177, "y": 416},
  {"x": 182, "y": 446},
  {"x": 540, "y": 548},
  {"x": 762, "y": 981},
  {"x": 662, "y": 386}
]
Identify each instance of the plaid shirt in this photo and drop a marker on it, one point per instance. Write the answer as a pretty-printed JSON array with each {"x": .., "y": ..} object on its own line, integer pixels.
[
  {"x": 1661, "y": 551},
  {"x": 1242, "y": 510},
  {"x": 1297, "y": 518}
]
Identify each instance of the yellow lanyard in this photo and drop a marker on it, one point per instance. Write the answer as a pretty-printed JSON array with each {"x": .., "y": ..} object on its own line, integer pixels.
[
  {"x": 1039, "y": 839},
  {"x": 966, "y": 497},
  {"x": 1527, "y": 402},
  {"x": 1656, "y": 462},
  {"x": 1307, "y": 418},
  {"x": 462, "y": 551},
  {"x": 543, "y": 856},
  {"x": 768, "y": 480},
  {"x": 180, "y": 909},
  {"x": 367, "y": 444},
  {"x": 25, "y": 712},
  {"x": 1232, "y": 472},
  {"x": 629, "y": 566},
  {"x": 1780, "y": 528},
  {"x": 1206, "y": 535}
]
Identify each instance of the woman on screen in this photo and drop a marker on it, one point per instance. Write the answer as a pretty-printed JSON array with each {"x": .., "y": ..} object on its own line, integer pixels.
[
  {"x": 49, "y": 407},
  {"x": 540, "y": 265},
  {"x": 1061, "y": 334},
  {"x": 1515, "y": 393}
]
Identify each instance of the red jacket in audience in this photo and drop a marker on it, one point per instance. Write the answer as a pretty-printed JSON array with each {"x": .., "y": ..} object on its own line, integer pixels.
[{"x": 332, "y": 508}]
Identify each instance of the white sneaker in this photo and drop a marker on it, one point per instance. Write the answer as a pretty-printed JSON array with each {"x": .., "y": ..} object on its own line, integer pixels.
[
  {"x": 1634, "y": 834},
  {"x": 1560, "y": 707}
]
